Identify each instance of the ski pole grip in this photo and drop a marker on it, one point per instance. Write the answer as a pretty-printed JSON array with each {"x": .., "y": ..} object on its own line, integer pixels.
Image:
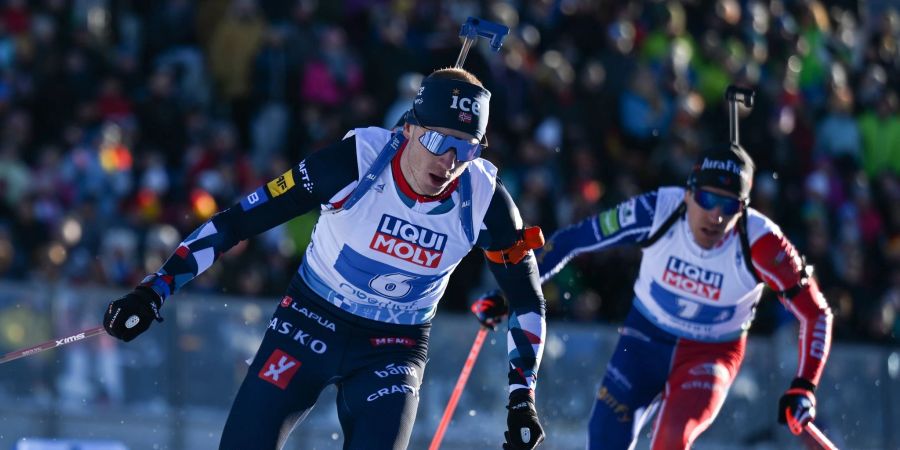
[
  {"x": 738, "y": 94},
  {"x": 733, "y": 95}
]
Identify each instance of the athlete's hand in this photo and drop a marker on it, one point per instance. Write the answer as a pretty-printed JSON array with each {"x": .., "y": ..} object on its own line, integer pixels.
[
  {"x": 490, "y": 308},
  {"x": 524, "y": 431},
  {"x": 132, "y": 314},
  {"x": 797, "y": 407}
]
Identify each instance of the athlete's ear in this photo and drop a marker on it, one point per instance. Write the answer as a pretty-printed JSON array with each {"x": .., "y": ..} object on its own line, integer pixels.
[{"x": 407, "y": 130}]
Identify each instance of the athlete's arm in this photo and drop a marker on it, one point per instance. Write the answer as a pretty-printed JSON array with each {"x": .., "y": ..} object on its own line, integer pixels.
[
  {"x": 306, "y": 186},
  {"x": 519, "y": 281},
  {"x": 780, "y": 266},
  {"x": 627, "y": 223}
]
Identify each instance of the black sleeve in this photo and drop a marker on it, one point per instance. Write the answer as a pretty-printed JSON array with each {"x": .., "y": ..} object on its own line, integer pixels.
[
  {"x": 306, "y": 186},
  {"x": 521, "y": 284},
  {"x": 519, "y": 281},
  {"x": 297, "y": 191}
]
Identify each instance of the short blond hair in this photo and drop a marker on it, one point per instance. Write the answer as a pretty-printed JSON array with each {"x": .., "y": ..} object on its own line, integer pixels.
[{"x": 456, "y": 73}]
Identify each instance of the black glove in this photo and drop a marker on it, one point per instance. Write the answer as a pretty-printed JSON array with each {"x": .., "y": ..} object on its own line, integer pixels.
[
  {"x": 797, "y": 407},
  {"x": 490, "y": 308},
  {"x": 132, "y": 313},
  {"x": 524, "y": 429}
]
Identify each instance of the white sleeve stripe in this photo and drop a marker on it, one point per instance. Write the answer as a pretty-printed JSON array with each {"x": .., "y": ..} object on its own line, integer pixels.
[
  {"x": 768, "y": 275},
  {"x": 803, "y": 324},
  {"x": 204, "y": 259},
  {"x": 207, "y": 230}
]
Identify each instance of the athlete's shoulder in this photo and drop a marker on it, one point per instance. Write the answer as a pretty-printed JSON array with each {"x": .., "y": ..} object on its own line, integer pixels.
[
  {"x": 667, "y": 199},
  {"x": 482, "y": 165},
  {"x": 483, "y": 175},
  {"x": 759, "y": 225},
  {"x": 369, "y": 142},
  {"x": 662, "y": 203}
]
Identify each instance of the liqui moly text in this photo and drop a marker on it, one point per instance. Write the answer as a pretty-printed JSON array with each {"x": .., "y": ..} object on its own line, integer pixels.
[
  {"x": 409, "y": 242},
  {"x": 693, "y": 279}
]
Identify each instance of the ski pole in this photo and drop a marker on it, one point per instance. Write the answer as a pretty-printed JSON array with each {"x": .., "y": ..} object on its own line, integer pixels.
[
  {"x": 820, "y": 437},
  {"x": 91, "y": 332},
  {"x": 472, "y": 29},
  {"x": 457, "y": 390}
]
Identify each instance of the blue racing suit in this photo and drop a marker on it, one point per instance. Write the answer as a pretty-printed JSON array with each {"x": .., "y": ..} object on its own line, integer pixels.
[{"x": 357, "y": 313}]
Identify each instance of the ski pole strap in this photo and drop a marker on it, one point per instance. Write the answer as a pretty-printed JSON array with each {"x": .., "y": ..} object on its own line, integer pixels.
[
  {"x": 677, "y": 214},
  {"x": 381, "y": 162},
  {"x": 530, "y": 238}
]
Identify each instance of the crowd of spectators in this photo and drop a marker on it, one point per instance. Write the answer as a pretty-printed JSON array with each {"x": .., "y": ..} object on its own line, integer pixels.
[{"x": 125, "y": 124}]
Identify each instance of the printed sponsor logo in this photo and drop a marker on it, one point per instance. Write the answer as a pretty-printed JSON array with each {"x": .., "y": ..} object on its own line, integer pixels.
[
  {"x": 288, "y": 301},
  {"x": 627, "y": 213},
  {"x": 819, "y": 344},
  {"x": 374, "y": 301},
  {"x": 464, "y": 117},
  {"x": 616, "y": 376},
  {"x": 70, "y": 339},
  {"x": 298, "y": 335},
  {"x": 409, "y": 242},
  {"x": 702, "y": 385},
  {"x": 621, "y": 410},
  {"x": 394, "y": 389},
  {"x": 304, "y": 177},
  {"x": 132, "y": 321},
  {"x": 254, "y": 199},
  {"x": 392, "y": 369},
  {"x": 609, "y": 222},
  {"x": 281, "y": 184},
  {"x": 279, "y": 369},
  {"x": 693, "y": 279},
  {"x": 464, "y": 103},
  {"x": 716, "y": 370},
  {"x": 714, "y": 164},
  {"x": 392, "y": 340}
]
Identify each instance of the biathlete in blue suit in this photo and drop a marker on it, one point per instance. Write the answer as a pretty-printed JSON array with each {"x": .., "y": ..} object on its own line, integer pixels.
[{"x": 399, "y": 210}]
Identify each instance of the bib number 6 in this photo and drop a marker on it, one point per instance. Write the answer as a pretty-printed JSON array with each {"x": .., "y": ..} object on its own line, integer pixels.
[{"x": 394, "y": 285}]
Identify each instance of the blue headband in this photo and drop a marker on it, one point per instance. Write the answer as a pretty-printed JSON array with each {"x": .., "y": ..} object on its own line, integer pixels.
[{"x": 453, "y": 104}]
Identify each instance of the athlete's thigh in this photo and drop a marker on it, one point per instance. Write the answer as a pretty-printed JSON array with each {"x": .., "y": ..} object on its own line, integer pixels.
[
  {"x": 294, "y": 363},
  {"x": 701, "y": 375},
  {"x": 379, "y": 395},
  {"x": 635, "y": 375}
]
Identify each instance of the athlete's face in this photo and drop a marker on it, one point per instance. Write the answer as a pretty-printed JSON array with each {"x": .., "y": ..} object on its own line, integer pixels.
[
  {"x": 427, "y": 173},
  {"x": 711, "y": 214}
]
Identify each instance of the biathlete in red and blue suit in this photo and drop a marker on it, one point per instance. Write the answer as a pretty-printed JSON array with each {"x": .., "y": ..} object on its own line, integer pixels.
[{"x": 706, "y": 258}]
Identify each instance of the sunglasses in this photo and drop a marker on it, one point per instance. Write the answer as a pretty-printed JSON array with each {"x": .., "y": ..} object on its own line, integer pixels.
[
  {"x": 709, "y": 200},
  {"x": 439, "y": 143}
]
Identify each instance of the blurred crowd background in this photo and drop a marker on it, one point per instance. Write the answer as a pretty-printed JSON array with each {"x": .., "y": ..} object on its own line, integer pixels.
[{"x": 126, "y": 124}]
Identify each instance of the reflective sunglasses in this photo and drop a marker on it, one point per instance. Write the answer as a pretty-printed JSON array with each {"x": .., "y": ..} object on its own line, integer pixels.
[
  {"x": 439, "y": 143},
  {"x": 709, "y": 200}
]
